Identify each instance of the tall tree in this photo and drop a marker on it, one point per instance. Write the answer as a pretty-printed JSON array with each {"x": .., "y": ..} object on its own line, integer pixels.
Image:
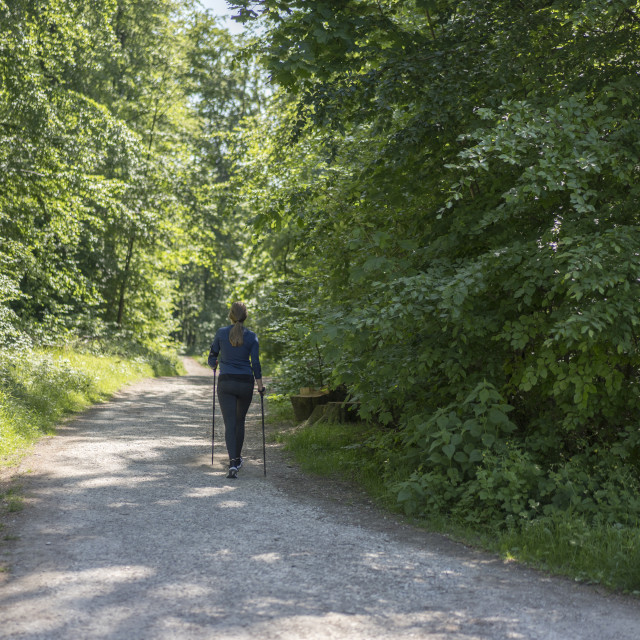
[
  {"x": 226, "y": 87},
  {"x": 113, "y": 116},
  {"x": 56, "y": 140}
]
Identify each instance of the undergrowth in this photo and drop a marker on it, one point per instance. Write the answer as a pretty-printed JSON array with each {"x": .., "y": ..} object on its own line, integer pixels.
[{"x": 40, "y": 386}]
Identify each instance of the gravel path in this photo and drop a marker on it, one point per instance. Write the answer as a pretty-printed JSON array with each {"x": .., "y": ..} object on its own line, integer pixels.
[{"x": 129, "y": 533}]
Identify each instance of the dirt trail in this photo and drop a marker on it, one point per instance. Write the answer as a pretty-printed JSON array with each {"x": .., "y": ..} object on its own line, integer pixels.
[{"x": 129, "y": 533}]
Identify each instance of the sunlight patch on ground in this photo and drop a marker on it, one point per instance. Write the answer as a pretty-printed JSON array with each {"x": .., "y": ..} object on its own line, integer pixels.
[
  {"x": 232, "y": 504},
  {"x": 208, "y": 492},
  {"x": 269, "y": 558}
]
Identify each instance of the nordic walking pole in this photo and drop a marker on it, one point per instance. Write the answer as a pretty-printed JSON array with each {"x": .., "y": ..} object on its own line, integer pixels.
[
  {"x": 213, "y": 416},
  {"x": 264, "y": 445}
]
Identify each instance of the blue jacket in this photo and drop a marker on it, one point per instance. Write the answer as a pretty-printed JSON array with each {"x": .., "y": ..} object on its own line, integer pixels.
[{"x": 240, "y": 360}]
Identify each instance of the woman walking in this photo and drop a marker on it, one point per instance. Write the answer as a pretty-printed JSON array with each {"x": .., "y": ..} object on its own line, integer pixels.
[{"x": 237, "y": 350}]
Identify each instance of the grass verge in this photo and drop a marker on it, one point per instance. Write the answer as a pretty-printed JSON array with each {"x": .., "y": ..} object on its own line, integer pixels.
[
  {"x": 594, "y": 553},
  {"x": 39, "y": 387},
  {"x": 336, "y": 450},
  {"x": 566, "y": 545},
  {"x": 347, "y": 451}
]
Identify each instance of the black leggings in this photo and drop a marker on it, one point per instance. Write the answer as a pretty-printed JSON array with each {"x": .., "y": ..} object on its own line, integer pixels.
[{"x": 235, "y": 398}]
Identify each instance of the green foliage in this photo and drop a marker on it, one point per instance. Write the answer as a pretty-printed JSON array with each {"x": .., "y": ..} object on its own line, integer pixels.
[
  {"x": 509, "y": 488},
  {"x": 453, "y": 440},
  {"x": 526, "y": 223},
  {"x": 113, "y": 119},
  {"x": 225, "y": 89},
  {"x": 73, "y": 175}
]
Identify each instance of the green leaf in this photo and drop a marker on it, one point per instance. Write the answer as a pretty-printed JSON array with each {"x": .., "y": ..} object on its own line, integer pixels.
[
  {"x": 488, "y": 439},
  {"x": 449, "y": 450}
]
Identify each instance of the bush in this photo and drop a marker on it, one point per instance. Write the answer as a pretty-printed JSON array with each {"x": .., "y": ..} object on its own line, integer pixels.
[{"x": 509, "y": 486}]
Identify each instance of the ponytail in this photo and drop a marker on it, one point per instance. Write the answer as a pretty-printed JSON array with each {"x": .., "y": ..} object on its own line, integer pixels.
[{"x": 237, "y": 315}]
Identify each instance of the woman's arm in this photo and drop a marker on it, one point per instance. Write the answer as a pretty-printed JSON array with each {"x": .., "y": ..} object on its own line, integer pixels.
[
  {"x": 212, "y": 360},
  {"x": 255, "y": 363}
]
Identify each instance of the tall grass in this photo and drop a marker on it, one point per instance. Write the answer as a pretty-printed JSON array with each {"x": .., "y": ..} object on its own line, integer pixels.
[
  {"x": 590, "y": 552},
  {"x": 38, "y": 387}
]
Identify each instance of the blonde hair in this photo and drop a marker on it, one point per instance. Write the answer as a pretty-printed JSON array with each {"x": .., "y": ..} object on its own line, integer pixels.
[{"x": 237, "y": 315}]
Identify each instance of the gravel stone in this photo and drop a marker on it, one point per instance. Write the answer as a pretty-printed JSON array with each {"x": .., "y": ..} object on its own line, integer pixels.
[{"x": 129, "y": 533}]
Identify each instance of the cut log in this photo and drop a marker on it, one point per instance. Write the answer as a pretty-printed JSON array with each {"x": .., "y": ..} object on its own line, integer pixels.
[
  {"x": 303, "y": 405},
  {"x": 317, "y": 414},
  {"x": 332, "y": 412}
]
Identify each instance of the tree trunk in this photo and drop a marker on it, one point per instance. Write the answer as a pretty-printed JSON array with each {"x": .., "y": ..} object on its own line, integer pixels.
[
  {"x": 125, "y": 279},
  {"x": 303, "y": 405}
]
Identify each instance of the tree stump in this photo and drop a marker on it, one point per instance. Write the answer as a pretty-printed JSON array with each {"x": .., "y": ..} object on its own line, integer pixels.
[
  {"x": 304, "y": 404},
  {"x": 317, "y": 414},
  {"x": 332, "y": 412},
  {"x": 341, "y": 412}
]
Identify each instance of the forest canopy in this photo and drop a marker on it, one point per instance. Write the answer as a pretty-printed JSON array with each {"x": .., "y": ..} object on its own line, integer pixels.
[{"x": 114, "y": 117}]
